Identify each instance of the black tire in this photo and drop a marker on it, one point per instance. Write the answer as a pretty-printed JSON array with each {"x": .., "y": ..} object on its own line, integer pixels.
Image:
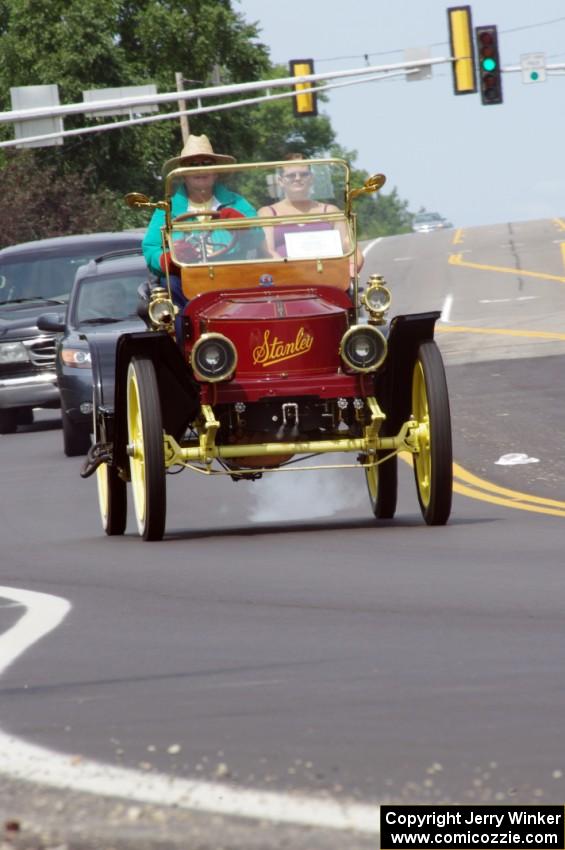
[
  {"x": 145, "y": 438},
  {"x": 433, "y": 464},
  {"x": 76, "y": 438},
  {"x": 382, "y": 484},
  {"x": 112, "y": 500},
  {"x": 25, "y": 415},
  {"x": 8, "y": 421}
]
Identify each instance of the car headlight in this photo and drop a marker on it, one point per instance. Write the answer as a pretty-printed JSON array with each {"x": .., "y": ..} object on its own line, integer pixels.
[
  {"x": 13, "y": 352},
  {"x": 214, "y": 357},
  {"x": 77, "y": 357},
  {"x": 363, "y": 348}
]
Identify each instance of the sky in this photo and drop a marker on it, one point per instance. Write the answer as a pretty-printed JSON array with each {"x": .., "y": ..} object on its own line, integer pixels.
[{"x": 474, "y": 164}]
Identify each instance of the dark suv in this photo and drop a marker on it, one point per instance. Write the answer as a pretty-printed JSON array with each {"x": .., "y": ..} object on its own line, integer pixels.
[
  {"x": 103, "y": 304},
  {"x": 33, "y": 277}
]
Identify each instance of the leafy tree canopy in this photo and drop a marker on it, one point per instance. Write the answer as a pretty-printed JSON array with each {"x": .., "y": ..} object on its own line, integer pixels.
[
  {"x": 54, "y": 204},
  {"x": 87, "y": 44}
]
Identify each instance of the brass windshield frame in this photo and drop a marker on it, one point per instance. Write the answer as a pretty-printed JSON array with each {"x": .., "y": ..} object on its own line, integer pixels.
[
  {"x": 170, "y": 186},
  {"x": 249, "y": 223},
  {"x": 341, "y": 215}
]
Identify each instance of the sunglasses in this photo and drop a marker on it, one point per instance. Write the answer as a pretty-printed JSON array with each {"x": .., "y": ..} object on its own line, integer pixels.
[
  {"x": 296, "y": 175},
  {"x": 202, "y": 163}
]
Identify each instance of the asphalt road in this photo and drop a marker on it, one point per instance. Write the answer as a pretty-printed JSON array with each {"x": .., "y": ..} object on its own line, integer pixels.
[{"x": 279, "y": 639}]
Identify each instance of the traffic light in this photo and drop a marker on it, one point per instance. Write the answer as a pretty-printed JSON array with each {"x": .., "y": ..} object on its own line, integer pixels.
[
  {"x": 490, "y": 77},
  {"x": 461, "y": 40},
  {"x": 305, "y": 102}
]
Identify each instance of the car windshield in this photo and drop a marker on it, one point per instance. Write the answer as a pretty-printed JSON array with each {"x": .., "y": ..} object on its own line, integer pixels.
[
  {"x": 292, "y": 210},
  {"x": 106, "y": 298},
  {"x": 39, "y": 276},
  {"x": 45, "y": 275},
  {"x": 426, "y": 217}
]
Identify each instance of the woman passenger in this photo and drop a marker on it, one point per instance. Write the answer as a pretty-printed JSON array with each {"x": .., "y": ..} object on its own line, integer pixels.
[{"x": 297, "y": 183}]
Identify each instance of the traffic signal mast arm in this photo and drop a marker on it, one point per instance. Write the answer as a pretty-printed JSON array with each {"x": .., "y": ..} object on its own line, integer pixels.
[
  {"x": 558, "y": 67},
  {"x": 219, "y": 107},
  {"x": 462, "y": 60},
  {"x": 210, "y": 91}
]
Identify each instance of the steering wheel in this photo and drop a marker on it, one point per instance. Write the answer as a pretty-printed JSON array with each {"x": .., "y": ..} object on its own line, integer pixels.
[
  {"x": 207, "y": 245},
  {"x": 208, "y": 213}
]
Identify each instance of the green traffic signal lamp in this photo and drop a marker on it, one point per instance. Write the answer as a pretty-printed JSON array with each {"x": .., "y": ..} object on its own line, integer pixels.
[{"x": 489, "y": 70}]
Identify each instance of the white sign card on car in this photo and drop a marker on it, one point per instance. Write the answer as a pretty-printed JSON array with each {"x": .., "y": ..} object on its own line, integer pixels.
[{"x": 310, "y": 245}]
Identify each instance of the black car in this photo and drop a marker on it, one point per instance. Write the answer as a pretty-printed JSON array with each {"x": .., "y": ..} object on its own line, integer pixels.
[
  {"x": 34, "y": 276},
  {"x": 103, "y": 302}
]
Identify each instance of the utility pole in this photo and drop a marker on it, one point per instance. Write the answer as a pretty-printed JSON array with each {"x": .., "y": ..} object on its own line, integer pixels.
[{"x": 179, "y": 80}]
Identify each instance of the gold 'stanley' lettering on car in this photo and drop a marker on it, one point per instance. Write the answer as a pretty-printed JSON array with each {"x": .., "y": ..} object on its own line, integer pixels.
[{"x": 275, "y": 351}]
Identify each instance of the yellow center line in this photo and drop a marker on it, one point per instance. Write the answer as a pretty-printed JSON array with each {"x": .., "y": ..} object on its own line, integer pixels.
[
  {"x": 457, "y": 260},
  {"x": 507, "y": 503},
  {"x": 475, "y": 481},
  {"x": 478, "y": 488},
  {"x": 460, "y": 329},
  {"x": 458, "y": 236},
  {"x": 560, "y": 223}
]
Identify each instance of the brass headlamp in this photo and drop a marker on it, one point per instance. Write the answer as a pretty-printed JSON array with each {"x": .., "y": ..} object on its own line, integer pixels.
[
  {"x": 161, "y": 309},
  {"x": 376, "y": 299}
]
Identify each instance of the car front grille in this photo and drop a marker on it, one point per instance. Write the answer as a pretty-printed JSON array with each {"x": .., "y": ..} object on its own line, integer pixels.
[{"x": 41, "y": 350}]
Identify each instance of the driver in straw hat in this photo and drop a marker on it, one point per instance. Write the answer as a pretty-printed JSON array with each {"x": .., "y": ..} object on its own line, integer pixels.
[{"x": 198, "y": 193}]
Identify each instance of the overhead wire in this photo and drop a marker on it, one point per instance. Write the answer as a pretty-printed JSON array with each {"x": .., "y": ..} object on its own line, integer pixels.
[{"x": 368, "y": 56}]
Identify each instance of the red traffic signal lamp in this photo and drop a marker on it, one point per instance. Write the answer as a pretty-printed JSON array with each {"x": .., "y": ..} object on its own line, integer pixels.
[{"x": 489, "y": 70}]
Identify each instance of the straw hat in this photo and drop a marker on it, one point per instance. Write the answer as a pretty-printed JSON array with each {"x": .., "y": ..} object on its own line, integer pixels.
[{"x": 197, "y": 147}]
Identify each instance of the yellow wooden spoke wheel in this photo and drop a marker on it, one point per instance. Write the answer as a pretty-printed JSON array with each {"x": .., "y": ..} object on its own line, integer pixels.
[
  {"x": 382, "y": 484},
  {"x": 112, "y": 499},
  {"x": 433, "y": 462},
  {"x": 145, "y": 448}
]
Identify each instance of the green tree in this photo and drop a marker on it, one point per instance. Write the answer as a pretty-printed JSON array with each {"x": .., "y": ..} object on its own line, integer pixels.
[
  {"x": 108, "y": 43},
  {"x": 273, "y": 130},
  {"x": 382, "y": 214},
  {"x": 86, "y": 44},
  {"x": 61, "y": 206}
]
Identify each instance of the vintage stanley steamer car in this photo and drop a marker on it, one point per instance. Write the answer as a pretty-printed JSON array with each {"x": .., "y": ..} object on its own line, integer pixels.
[{"x": 275, "y": 359}]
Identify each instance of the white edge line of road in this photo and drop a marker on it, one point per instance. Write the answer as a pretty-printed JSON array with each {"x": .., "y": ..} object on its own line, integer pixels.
[
  {"x": 27, "y": 762},
  {"x": 371, "y": 244},
  {"x": 446, "y": 309}
]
